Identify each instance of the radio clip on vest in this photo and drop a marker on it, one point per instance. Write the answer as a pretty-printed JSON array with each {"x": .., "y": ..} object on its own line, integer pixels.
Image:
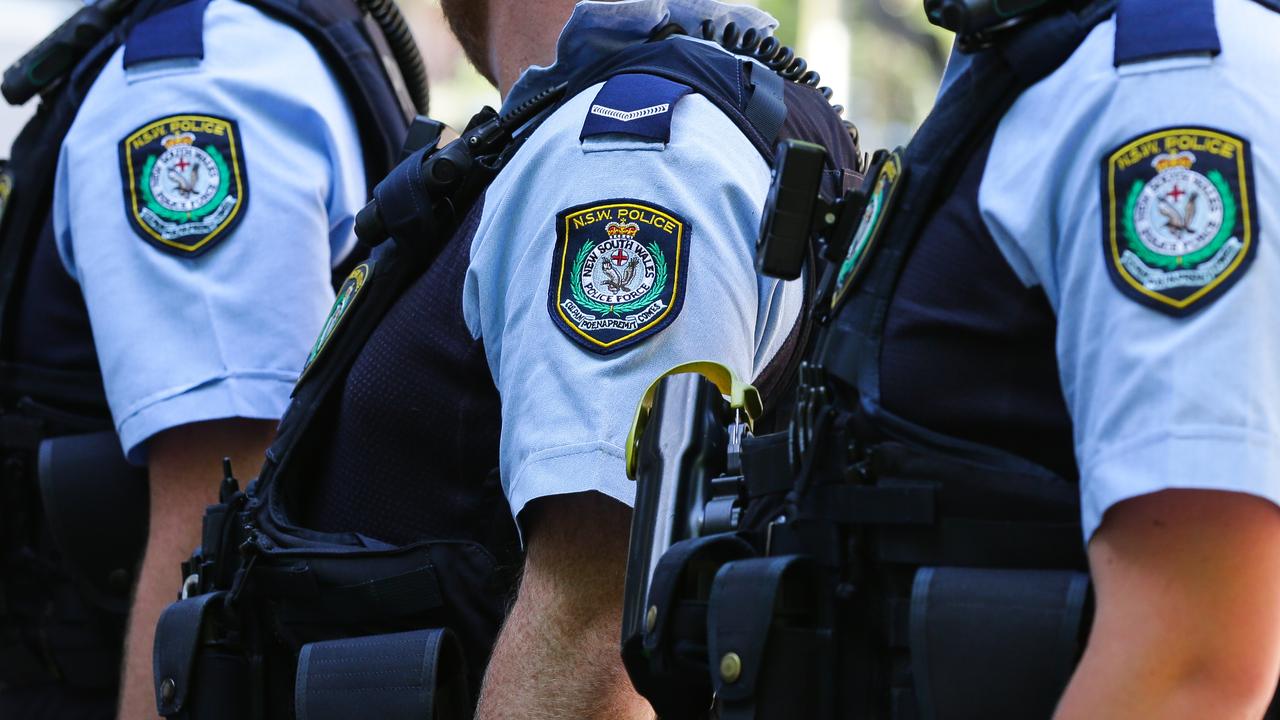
[
  {"x": 47, "y": 62},
  {"x": 797, "y": 218},
  {"x": 975, "y": 22}
]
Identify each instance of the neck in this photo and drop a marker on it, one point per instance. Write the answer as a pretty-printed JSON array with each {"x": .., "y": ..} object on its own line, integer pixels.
[{"x": 519, "y": 38}]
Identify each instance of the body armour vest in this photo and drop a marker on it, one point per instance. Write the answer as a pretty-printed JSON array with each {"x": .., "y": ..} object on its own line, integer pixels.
[
  {"x": 944, "y": 371},
  {"x": 49, "y": 378},
  {"x": 415, "y": 428},
  {"x": 401, "y": 448}
]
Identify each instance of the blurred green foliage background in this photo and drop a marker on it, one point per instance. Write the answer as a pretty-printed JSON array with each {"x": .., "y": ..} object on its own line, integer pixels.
[{"x": 880, "y": 57}]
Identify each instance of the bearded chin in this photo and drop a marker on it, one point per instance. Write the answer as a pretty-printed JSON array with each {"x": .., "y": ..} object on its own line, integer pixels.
[{"x": 468, "y": 20}]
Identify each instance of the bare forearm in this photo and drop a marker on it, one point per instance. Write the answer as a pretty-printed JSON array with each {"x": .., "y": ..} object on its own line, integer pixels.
[
  {"x": 158, "y": 583},
  {"x": 544, "y": 669},
  {"x": 1106, "y": 685},
  {"x": 1187, "y": 585},
  {"x": 558, "y": 655},
  {"x": 184, "y": 471}
]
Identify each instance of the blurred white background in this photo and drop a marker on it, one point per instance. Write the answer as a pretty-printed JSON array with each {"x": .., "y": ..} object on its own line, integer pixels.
[{"x": 879, "y": 56}]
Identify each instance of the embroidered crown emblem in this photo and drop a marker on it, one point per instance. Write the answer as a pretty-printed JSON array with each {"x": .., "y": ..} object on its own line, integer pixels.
[
  {"x": 173, "y": 141},
  {"x": 622, "y": 230},
  {"x": 1182, "y": 160}
]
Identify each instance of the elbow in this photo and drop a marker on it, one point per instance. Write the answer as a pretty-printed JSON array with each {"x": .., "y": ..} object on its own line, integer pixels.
[{"x": 1225, "y": 684}]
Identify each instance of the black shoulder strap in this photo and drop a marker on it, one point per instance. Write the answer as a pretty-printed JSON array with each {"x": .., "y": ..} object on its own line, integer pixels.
[{"x": 33, "y": 168}]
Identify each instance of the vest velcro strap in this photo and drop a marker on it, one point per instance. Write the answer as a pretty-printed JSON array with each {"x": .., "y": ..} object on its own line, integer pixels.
[
  {"x": 405, "y": 594},
  {"x": 418, "y": 674},
  {"x": 880, "y": 504},
  {"x": 767, "y": 107},
  {"x": 309, "y": 586},
  {"x": 984, "y": 543}
]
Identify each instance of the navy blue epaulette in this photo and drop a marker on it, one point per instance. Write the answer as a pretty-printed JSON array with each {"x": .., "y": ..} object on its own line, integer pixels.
[
  {"x": 1153, "y": 29},
  {"x": 174, "y": 31},
  {"x": 635, "y": 104}
]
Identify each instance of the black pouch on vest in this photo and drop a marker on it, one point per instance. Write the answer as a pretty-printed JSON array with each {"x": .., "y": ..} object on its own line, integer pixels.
[
  {"x": 197, "y": 679},
  {"x": 995, "y": 643},
  {"x": 767, "y": 645},
  {"x": 95, "y": 504},
  {"x": 418, "y": 675}
]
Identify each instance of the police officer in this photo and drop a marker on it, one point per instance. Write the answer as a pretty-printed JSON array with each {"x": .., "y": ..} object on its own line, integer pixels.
[
  {"x": 1055, "y": 322},
  {"x": 178, "y": 205},
  {"x": 615, "y": 241}
]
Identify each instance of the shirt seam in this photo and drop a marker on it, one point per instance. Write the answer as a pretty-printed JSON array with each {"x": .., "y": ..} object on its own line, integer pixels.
[
  {"x": 175, "y": 391},
  {"x": 1206, "y": 432},
  {"x": 563, "y": 451}
]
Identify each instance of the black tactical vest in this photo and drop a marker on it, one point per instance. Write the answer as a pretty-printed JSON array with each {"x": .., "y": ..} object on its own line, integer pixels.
[
  {"x": 385, "y": 471},
  {"x": 70, "y": 544},
  {"x": 947, "y": 457},
  {"x": 410, "y": 445}
]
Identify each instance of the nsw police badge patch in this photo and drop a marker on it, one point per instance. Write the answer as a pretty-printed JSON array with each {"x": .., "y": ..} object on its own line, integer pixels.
[
  {"x": 6, "y": 188},
  {"x": 619, "y": 272},
  {"x": 879, "y": 202},
  {"x": 1180, "y": 220},
  {"x": 343, "y": 301},
  {"x": 185, "y": 186}
]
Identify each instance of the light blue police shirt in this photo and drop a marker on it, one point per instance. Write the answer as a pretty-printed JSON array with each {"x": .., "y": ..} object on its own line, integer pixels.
[
  {"x": 566, "y": 411},
  {"x": 222, "y": 334},
  {"x": 1157, "y": 401}
]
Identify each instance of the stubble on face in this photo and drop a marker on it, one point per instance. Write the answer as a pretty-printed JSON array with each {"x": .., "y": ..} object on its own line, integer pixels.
[{"x": 469, "y": 21}]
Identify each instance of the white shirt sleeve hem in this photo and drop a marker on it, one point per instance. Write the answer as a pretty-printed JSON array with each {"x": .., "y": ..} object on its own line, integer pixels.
[
  {"x": 586, "y": 467},
  {"x": 260, "y": 395},
  {"x": 1226, "y": 459}
]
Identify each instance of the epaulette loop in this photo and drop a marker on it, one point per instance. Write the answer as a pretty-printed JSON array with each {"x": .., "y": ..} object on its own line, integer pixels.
[
  {"x": 173, "y": 33},
  {"x": 1153, "y": 29}
]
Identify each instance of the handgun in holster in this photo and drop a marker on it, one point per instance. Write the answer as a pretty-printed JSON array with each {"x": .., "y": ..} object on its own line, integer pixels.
[{"x": 705, "y": 615}]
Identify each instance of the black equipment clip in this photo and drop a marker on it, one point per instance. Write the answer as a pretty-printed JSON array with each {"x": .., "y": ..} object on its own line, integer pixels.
[
  {"x": 796, "y": 214},
  {"x": 437, "y": 174},
  {"x": 977, "y": 22},
  {"x": 46, "y": 63}
]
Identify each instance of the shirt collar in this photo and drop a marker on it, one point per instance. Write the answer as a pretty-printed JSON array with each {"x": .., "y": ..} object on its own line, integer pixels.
[{"x": 600, "y": 28}]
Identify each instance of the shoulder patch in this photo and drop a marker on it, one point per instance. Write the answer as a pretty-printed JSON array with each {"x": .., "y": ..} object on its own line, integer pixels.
[
  {"x": 619, "y": 272},
  {"x": 1180, "y": 221},
  {"x": 880, "y": 197},
  {"x": 634, "y": 104},
  {"x": 343, "y": 301},
  {"x": 185, "y": 186},
  {"x": 6, "y": 188}
]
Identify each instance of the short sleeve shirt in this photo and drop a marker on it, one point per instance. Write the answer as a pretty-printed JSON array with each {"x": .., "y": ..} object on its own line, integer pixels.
[
  {"x": 566, "y": 405},
  {"x": 181, "y": 336},
  {"x": 1115, "y": 189}
]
